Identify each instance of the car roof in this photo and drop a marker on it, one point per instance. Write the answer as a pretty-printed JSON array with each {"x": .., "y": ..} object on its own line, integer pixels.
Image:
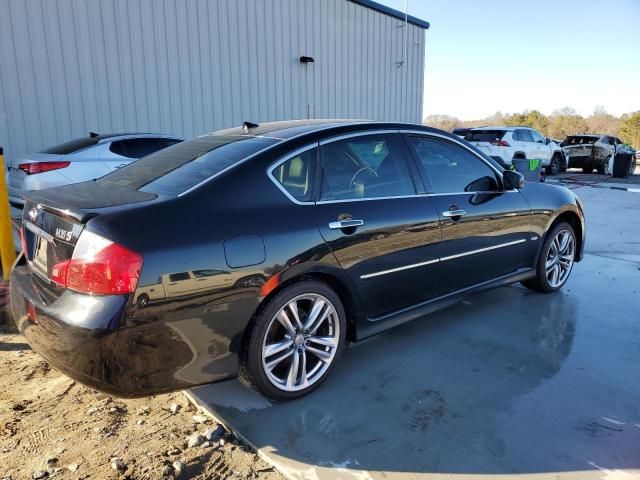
[
  {"x": 285, "y": 130},
  {"x": 509, "y": 128}
]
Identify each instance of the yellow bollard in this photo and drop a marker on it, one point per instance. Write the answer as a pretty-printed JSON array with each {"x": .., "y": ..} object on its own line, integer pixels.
[{"x": 7, "y": 252}]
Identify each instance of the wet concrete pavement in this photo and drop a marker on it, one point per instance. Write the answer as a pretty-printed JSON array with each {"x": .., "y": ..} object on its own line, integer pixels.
[{"x": 507, "y": 383}]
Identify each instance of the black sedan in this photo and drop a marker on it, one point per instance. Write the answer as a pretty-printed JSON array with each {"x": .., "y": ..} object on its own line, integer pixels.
[{"x": 260, "y": 251}]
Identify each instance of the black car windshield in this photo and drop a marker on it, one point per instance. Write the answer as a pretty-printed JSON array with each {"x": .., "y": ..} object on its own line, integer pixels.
[{"x": 178, "y": 168}]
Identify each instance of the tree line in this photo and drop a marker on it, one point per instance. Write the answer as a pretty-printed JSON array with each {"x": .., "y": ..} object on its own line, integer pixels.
[{"x": 558, "y": 125}]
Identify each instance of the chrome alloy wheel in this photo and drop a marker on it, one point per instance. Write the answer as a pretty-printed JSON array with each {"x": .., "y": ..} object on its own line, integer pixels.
[
  {"x": 560, "y": 258},
  {"x": 301, "y": 342}
]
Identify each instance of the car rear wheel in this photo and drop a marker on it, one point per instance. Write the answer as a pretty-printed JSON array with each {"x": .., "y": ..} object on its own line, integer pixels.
[
  {"x": 556, "y": 260},
  {"x": 601, "y": 169},
  {"x": 294, "y": 341},
  {"x": 587, "y": 170}
]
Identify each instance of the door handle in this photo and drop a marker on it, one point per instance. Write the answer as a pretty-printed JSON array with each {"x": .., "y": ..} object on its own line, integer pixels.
[
  {"x": 454, "y": 213},
  {"x": 340, "y": 224}
]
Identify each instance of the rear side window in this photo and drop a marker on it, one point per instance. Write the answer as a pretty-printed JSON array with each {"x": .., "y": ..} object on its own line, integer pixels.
[
  {"x": 368, "y": 166},
  {"x": 72, "y": 146},
  {"x": 175, "y": 169},
  {"x": 452, "y": 168},
  {"x": 140, "y": 147},
  {"x": 179, "y": 277},
  {"x": 485, "y": 136},
  {"x": 297, "y": 175}
]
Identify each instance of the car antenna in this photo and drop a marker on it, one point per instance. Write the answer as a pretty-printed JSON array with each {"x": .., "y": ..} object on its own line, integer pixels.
[
  {"x": 248, "y": 125},
  {"x": 93, "y": 134}
]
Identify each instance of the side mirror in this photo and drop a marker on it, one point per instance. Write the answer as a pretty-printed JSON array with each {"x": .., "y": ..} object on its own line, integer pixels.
[
  {"x": 512, "y": 179},
  {"x": 548, "y": 141}
]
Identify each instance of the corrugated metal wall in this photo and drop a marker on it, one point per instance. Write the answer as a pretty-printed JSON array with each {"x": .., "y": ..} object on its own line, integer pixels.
[{"x": 190, "y": 67}]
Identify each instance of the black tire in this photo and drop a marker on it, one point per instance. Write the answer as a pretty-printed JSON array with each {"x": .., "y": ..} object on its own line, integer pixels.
[
  {"x": 601, "y": 169},
  {"x": 540, "y": 283},
  {"x": 587, "y": 170},
  {"x": 555, "y": 165},
  {"x": 563, "y": 166},
  {"x": 143, "y": 300},
  {"x": 251, "y": 370}
]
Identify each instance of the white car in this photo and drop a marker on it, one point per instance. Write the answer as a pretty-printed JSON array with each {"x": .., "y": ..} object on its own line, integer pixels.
[
  {"x": 77, "y": 161},
  {"x": 504, "y": 144}
]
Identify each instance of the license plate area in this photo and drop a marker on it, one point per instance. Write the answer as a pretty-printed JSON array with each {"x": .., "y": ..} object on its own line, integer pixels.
[{"x": 41, "y": 254}]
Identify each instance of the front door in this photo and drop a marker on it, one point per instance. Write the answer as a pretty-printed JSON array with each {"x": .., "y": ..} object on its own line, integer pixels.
[
  {"x": 382, "y": 231},
  {"x": 486, "y": 231}
]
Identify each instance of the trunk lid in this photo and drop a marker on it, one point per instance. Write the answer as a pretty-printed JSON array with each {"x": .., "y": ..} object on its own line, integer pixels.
[{"x": 53, "y": 219}]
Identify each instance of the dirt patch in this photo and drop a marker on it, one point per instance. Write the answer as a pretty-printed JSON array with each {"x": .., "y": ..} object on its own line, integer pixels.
[{"x": 53, "y": 427}]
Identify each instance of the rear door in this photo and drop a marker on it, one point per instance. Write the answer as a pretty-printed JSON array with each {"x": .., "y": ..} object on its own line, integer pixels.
[
  {"x": 371, "y": 212},
  {"x": 525, "y": 143},
  {"x": 485, "y": 230}
]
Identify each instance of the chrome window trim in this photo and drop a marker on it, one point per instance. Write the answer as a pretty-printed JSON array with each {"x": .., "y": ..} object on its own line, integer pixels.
[
  {"x": 284, "y": 159},
  {"x": 442, "y": 259},
  {"x": 359, "y": 134}
]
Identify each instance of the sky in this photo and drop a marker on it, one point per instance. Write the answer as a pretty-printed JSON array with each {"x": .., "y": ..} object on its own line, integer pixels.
[{"x": 509, "y": 56}]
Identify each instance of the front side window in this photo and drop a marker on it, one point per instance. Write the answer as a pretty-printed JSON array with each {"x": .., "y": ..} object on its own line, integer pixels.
[
  {"x": 537, "y": 137},
  {"x": 452, "y": 168},
  {"x": 297, "y": 175},
  {"x": 367, "y": 166},
  {"x": 179, "y": 277}
]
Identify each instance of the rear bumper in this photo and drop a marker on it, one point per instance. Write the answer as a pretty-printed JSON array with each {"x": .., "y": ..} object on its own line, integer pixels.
[{"x": 78, "y": 334}]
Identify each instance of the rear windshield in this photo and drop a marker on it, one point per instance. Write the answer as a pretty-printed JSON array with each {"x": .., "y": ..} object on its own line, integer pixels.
[
  {"x": 580, "y": 140},
  {"x": 72, "y": 146},
  {"x": 175, "y": 169},
  {"x": 460, "y": 131},
  {"x": 485, "y": 135}
]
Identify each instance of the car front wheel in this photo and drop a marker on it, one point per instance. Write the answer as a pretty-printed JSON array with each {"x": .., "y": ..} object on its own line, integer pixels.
[
  {"x": 556, "y": 260},
  {"x": 555, "y": 165},
  {"x": 294, "y": 341}
]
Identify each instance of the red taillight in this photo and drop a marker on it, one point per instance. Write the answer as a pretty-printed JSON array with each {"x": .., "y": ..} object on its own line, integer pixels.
[
  {"x": 500, "y": 143},
  {"x": 99, "y": 266},
  {"x": 41, "y": 167}
]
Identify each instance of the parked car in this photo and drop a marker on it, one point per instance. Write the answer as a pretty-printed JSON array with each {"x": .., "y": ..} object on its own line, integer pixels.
[
  {"x": 461, "y": 132},
  {"x": 78, "y": 160},
  {"x": 590, "y": 152},
  {"x": 346, "y": 228},
  {"x": 504, "y": 144}
]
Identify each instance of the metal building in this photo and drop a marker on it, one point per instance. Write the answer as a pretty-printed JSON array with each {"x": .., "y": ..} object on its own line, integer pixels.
[{"x": 68, "y": 67}]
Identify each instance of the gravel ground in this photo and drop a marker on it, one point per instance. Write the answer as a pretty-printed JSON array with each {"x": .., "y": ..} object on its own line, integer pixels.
[{"x": 53, "y": 427}]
